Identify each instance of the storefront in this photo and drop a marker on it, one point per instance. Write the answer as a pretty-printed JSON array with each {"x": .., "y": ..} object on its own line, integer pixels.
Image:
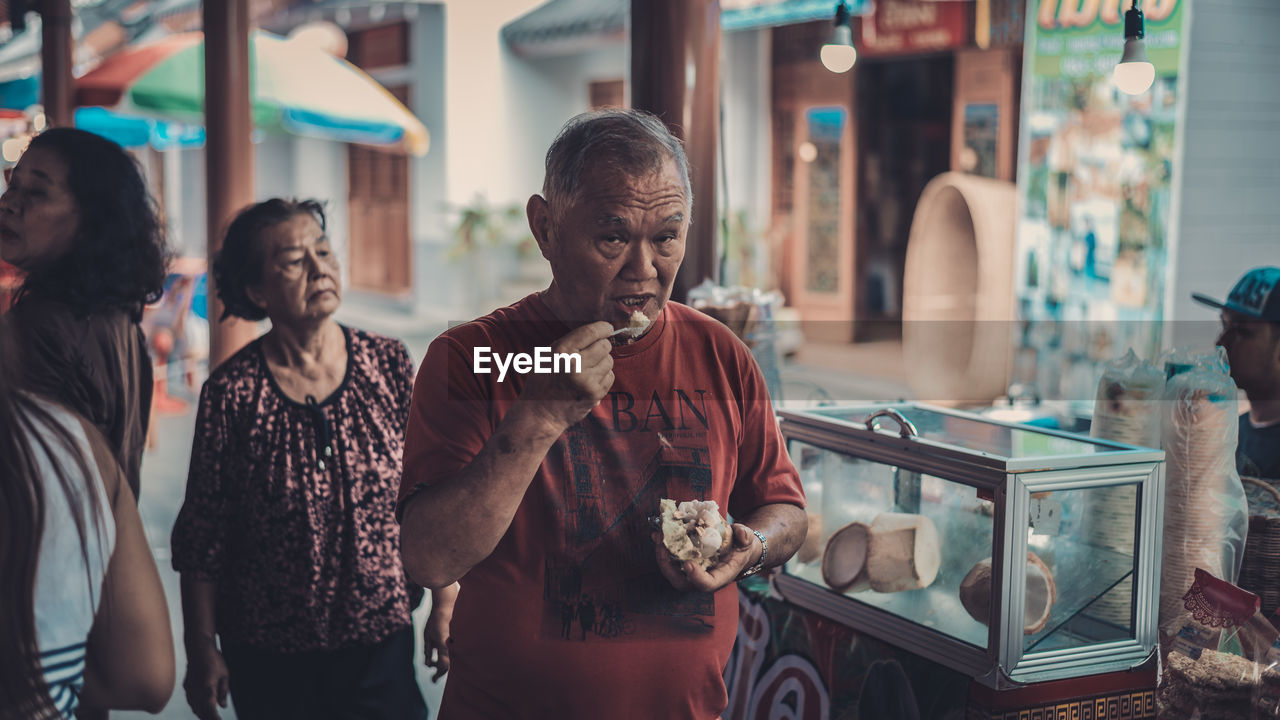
[
  {"x": 957, "y": 567},
  {"x": 853, "y": 152}
]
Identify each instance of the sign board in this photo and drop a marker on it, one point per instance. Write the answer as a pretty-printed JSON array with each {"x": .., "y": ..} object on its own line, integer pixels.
[
  {"x": 896, "y": 27},
  {"x": 1077, "y": 40},
  {"x": 1096, "y": 173}
]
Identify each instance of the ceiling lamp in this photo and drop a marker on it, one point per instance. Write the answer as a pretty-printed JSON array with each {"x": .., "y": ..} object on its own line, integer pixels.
[
  {"x": 1135, "y": 73},
  {"x": 838, "y": 55}
]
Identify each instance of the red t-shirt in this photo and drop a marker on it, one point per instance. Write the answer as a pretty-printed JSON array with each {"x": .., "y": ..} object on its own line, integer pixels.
[{"x": 569, "y": 617}]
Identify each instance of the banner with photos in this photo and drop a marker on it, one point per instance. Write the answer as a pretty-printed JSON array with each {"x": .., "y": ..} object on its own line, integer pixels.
[{"x": 1095, "y": 178}]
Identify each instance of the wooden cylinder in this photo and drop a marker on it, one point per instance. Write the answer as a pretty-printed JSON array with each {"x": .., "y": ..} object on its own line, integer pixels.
[
  {"x": 675, "y": 74},
  {"x": 957, "y": 290},
  {"x": 228, "y": 150},
  {"x": 58, "y": 83}
]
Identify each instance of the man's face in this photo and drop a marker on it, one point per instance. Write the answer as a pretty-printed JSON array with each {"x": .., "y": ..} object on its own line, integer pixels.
[
  {"x": 616, "y": 249},
  {"x": 1253, "y": 349}
]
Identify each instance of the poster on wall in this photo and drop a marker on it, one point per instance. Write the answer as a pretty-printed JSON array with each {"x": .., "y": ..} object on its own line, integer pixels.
[{"x": 1095, "y": 174}]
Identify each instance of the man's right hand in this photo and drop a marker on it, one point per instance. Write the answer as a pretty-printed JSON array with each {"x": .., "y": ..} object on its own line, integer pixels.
[
  {"x": 207, "y": 683},
  {"x": 562, "y": 399}
]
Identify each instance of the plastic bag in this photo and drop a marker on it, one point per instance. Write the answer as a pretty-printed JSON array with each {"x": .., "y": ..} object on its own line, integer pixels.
[
  {"x": 1205, "y": 509},
  {"x": 746, "y": 311},
  {"x": 1219, "y": 656},
  {"x": 749, "y": 313},
  {"x": 1127, "y": 409}
]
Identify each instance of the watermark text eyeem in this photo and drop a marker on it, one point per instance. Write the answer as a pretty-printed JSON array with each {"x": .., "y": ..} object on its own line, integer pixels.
[{"x": 541, "y": 362}]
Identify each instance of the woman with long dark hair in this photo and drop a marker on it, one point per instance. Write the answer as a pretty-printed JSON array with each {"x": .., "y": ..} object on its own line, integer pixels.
[
  {"x": 82, "y": 612},
  {"x": 77, "y": 220}
]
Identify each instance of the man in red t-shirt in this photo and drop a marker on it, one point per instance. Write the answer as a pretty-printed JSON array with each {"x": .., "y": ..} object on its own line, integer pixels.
[{"x": 535, "y": 489}]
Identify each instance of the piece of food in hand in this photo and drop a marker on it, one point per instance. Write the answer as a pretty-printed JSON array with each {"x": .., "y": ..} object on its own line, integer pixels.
[
  {"x": 844, "y": 561},
  {"x": 1042, "y": 591},
  {"x": 694, "y": 530},
  {"x": 903, "y": 553}
]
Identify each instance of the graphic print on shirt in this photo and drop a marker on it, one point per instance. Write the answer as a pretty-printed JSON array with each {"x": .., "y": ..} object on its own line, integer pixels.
[{"x": 601, "y": 581}]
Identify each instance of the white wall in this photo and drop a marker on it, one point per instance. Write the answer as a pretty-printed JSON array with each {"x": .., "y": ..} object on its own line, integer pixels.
[
  {"x": 318, "y": 170},
  {"x": 1228, "y": 212},
  {"x": 745, "y": 182},
  {"x": 549, "y": 91},
  {"x": 479, "y": 110},
  {"x": 192, "y": 228},
  {"x": 172, "y": 189},
  {"x": 273, "y": 167},
  {"x": 745, "y": 74},
  {"x": 428, "y": 218},
  {"x": 284, "y": 166}
]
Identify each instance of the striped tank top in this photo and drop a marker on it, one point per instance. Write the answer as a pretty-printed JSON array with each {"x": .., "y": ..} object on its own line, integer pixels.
[{"x": 67, "y": 590}]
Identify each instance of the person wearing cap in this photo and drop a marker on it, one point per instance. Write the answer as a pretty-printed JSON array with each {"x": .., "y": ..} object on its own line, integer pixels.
[{"x": 1251, "y": 336}]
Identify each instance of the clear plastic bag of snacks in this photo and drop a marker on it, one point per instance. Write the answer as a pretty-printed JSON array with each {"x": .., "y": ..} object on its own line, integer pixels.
[{"x": 1219, "y": 656}]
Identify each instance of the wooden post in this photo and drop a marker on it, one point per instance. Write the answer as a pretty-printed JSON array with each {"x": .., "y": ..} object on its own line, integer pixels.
[
  {"x": 675, "y": 74},
  {"x": 58, "y": 83},
  {"x": 228, "y": 150}
]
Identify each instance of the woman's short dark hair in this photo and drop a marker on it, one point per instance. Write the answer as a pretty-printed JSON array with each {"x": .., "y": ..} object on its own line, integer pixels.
[
  {"x": 238, "y": 265},
  {"x": 119, "y": 256}
]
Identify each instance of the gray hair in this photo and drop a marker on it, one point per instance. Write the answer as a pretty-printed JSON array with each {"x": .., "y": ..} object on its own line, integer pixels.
[{"x": 622, "y": 139}]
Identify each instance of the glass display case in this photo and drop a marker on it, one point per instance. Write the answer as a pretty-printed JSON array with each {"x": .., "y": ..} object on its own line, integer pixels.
[{"x": 937, "y": 530}]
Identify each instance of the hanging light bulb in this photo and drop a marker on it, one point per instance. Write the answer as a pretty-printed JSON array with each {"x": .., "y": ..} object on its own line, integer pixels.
[
  {"x": 838, "y": 55},
  {"x": 1135, "y": 73}
]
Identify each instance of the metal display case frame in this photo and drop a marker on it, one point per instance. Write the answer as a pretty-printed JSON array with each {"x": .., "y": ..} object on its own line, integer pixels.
[{"x": 1009, "y": 483}]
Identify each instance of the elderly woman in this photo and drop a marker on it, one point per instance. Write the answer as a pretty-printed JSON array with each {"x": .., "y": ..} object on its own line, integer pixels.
[
  {"x": 287, "y": 543},
  {"x": 77, "y": 219}
]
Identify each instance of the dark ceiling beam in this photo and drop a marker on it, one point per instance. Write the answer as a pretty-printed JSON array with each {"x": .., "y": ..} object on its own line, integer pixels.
[
  {"x": 675, "y": 74},
  {"x": 228, "y": 151}
]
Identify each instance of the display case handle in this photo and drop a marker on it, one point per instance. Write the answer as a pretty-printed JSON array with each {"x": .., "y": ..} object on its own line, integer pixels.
[{"x": 905, "y": 428}]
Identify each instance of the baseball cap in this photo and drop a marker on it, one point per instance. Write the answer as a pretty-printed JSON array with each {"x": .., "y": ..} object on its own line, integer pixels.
[{"x": 1256, "y": 295}]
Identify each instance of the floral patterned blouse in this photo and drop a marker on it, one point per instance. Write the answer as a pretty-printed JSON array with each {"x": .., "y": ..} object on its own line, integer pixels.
[{"x": 290, "y": 505}]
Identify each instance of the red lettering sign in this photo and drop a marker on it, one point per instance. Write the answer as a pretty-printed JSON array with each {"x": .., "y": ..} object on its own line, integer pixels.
[{"x": 911, "y": 26}]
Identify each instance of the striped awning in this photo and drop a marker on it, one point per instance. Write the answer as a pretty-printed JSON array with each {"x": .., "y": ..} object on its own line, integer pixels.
[
  {"x": 560, "y": 27},
  {"x": 752, "y": 14},
  {"x": 564, "y": 26}
]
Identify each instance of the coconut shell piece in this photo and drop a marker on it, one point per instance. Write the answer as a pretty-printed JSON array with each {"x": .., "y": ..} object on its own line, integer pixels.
[
  {"x": 844, "y": 561},
  {"x": 904, "y": 552},
  {"x": 1042, "y": 591}
]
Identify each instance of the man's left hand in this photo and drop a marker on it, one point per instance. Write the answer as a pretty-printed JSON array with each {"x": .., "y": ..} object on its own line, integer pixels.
[
  {"x": 435, "y": 635},
  {"x": 688, "y": 575},
  {"x": 435, "y": 643}
]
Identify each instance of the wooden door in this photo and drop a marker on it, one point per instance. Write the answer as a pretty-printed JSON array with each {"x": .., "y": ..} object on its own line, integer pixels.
[
  {"x": 822, "y": 279},
  {"x": 815, "y": 186},
  {"x": 378, "y": 207}
]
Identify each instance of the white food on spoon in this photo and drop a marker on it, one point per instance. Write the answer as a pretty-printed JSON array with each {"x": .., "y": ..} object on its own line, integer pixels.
[{"x": 636, "y": 325}]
